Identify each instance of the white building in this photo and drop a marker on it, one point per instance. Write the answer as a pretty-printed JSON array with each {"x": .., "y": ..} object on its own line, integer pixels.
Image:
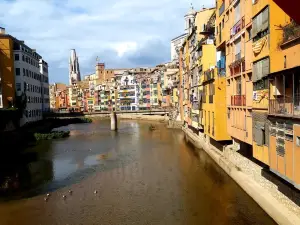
[
  {"x": 32, "y": 83},
  {"x": 128, "y": 92},
  {"x": 176, "y": 44}
]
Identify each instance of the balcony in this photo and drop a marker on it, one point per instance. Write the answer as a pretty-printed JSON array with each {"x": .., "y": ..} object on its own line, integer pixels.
[
  {"x": 238, "y": 100},
  {"x": 208, "y": 75},
  {"x": 237, "y": 27},
  {"x": 291, "y": 32},
  {"x": 284, "y": 106},
  {"x": 222, "y": 8}
]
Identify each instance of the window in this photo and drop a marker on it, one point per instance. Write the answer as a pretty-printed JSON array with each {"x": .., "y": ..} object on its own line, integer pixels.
[
  {"x": 260, "y": 24},
  {"x": 260, "y": 85},
  {"x": 237, "y": 14},
  {"x": 18, "y": 86},
  {"x": 249, "y": 31},
  {"x": 17, "y": 57},
  {"x": 261, "y": 69},
  {"x": 27, "y": 73},
  {"x": 238, "y": 86},
  {"x": 238, "y": 49},
  {"x": 24, "y": 72},
  {"x": 18, "y": 71},
  {"x": 23, "y": 57}
]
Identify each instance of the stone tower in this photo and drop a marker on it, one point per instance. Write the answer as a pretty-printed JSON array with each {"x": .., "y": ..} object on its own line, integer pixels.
[
  {"x": 189, "y": 20},
  {"x": 74, "y": 71}
]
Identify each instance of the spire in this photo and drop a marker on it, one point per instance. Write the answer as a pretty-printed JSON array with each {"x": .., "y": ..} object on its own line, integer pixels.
[{"x": 74, "y": 73}]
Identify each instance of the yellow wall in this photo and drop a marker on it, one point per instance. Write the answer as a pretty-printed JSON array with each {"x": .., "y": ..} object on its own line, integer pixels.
[
  {"x": 7, "y": 69},
  {"x": 218, "y": 108},
  {"x": 202, "y": 17}
]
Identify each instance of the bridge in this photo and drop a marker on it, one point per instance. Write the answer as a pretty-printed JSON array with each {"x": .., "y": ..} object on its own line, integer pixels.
[{"x": 123, "y": 112}]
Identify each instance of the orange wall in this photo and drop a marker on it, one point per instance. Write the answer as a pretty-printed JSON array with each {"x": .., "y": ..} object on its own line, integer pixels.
[{"x": 7, "y": 69}]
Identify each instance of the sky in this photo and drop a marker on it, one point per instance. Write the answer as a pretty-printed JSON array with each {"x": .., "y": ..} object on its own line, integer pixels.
[{"x": 122, "y": 33}]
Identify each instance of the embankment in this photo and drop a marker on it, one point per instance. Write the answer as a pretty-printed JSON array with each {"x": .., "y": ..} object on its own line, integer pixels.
[{"x": 272, "y": 206}]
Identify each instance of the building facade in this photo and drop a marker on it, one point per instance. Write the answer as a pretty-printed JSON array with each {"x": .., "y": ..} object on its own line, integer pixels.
[{"x": 30, "y": 75}]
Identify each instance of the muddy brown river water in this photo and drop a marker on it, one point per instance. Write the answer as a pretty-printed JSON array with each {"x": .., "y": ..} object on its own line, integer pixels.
[{"x": 140, "y": 176}]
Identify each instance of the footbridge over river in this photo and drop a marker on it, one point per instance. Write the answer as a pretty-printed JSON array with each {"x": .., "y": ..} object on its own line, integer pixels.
[{"x": 106, "y": 113}]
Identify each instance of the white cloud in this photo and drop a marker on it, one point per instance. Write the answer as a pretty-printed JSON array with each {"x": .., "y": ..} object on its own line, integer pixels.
[{"x": 117, "y": 29}]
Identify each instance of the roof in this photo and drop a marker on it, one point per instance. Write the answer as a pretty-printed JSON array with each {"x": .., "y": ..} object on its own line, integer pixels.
[
  {"x": 178, "y": 37},
  {"x": 191, "y": 12}
]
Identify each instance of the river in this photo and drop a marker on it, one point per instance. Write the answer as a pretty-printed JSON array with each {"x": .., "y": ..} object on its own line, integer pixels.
[{"x": 133, "y": 176}]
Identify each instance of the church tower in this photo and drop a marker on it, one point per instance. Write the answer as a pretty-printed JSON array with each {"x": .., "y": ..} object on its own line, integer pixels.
[
  {"x": 74, "y": 71},
  {"x": 189, "y": 20}
]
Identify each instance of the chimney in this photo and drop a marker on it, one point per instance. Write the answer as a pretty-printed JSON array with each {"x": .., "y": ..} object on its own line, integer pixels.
[
  {"x": 2, "y": 30},
  {"x": 22, "y": 42}
]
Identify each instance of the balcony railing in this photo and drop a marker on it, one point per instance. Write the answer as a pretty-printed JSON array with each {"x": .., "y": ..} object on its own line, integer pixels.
[
  {"x": 238, "y": 100},
  {"x": 284, "y": 106},
  {"x": 237, "y": 27},
  {"x": 211, "y": 99},
  {"x": 222, "y": 8},
  {"x": 291, "y": 32}
]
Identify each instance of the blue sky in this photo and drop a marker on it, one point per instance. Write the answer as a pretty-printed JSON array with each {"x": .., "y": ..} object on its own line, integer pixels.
[{"x": 123, "y": 33}]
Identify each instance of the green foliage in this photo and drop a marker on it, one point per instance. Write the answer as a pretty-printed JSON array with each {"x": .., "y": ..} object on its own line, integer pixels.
[{"x": 51, "y": 135}]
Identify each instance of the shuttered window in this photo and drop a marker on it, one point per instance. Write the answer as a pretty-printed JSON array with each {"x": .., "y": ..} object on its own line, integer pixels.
[
  {"x": 238, "y": 46},
  {"x": 261, "y": 69},
  {"x": 237, "y": 14},
  {"x": 260, "y": 22}
]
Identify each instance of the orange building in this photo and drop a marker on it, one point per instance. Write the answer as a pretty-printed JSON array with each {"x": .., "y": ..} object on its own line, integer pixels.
[
  {"x": 7, "y": 77},
  {"x": 238, "y": 22},
  {"x": 284, "y": 100}
]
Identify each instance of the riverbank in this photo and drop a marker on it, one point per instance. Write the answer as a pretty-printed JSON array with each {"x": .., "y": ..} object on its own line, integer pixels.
[
  {"x": 22, "y": 137},
  {"x": 266, "y": 196}
]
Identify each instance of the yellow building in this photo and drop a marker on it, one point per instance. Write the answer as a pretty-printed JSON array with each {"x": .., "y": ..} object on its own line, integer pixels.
[
  {"x": 214, "y": 106},
  {"x": 213, "y": 86},
  {"x": 185, "y": 81}
]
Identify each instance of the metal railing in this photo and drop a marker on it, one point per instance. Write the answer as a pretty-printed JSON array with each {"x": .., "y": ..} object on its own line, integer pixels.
[
  {"x": 284, "y": 106},
  {"x": 238, "y": 100},
  {"x": 291, "y": 32}
]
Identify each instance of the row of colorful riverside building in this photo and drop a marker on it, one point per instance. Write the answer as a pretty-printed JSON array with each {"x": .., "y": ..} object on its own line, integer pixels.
[
  {"x": 118, "y": 89},
  {"x": 239, "y": 75},
  {"x": 24, "y": 82}
]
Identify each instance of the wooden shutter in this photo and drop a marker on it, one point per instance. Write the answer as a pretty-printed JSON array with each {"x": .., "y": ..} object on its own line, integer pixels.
[{"x": 265, "y": 67}]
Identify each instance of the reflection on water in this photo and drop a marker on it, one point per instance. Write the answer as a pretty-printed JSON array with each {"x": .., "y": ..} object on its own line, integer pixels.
[{"x": 142, "y": 177}]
